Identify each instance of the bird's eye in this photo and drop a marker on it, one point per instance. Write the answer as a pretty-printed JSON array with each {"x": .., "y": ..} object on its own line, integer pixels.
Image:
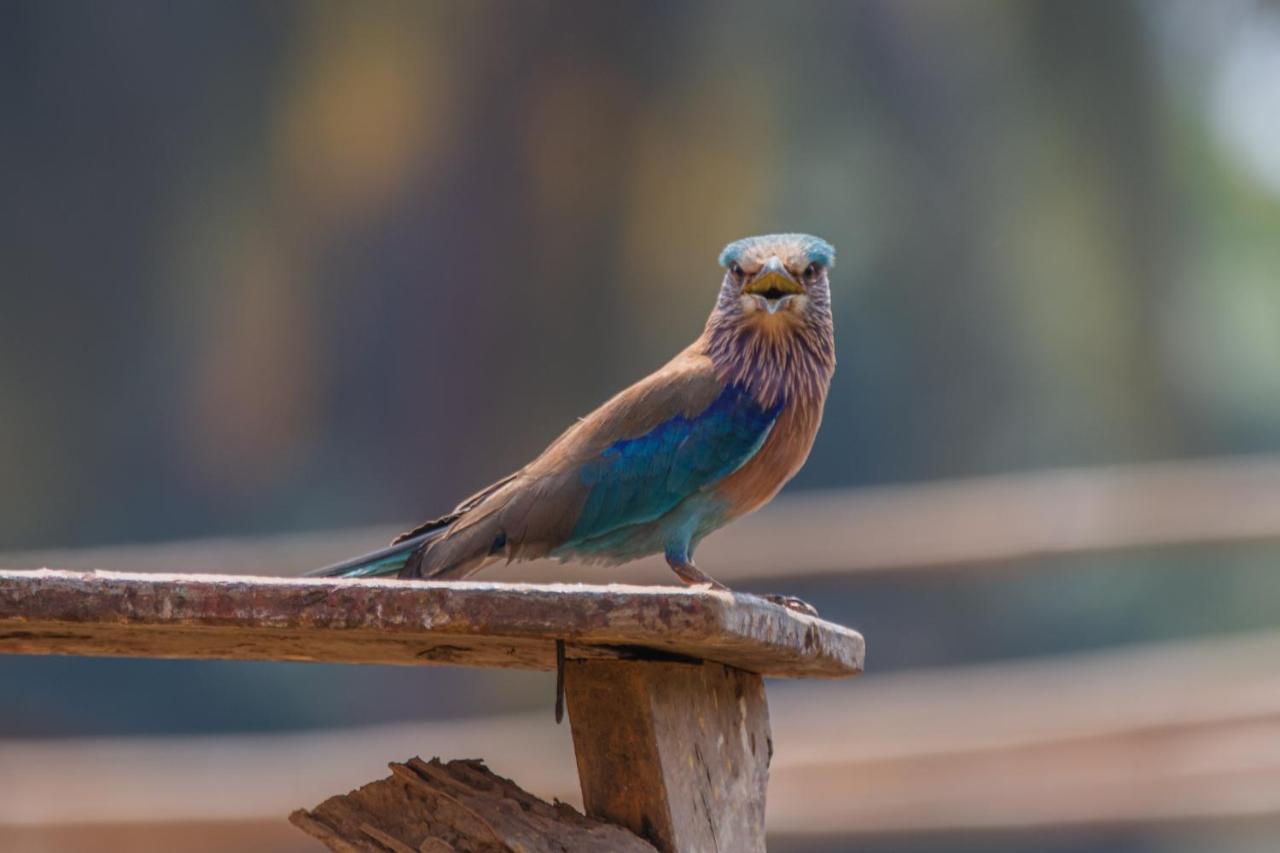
[
  {"x": 735, "y": 269},
  {"x": 812, "y": 272}
]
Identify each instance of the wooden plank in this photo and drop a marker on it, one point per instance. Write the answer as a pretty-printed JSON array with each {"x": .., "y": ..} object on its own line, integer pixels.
[
  {"x": 408, "y": 622},
  {"x": 1018, "y": 516},
  {"x": 459, "y": 805},
  {"x": 219, "y": 836},
  {"x": 970, "y": 522},
  {"x": 1147, "y": 735},
  {"x": 679, "y": 753}
]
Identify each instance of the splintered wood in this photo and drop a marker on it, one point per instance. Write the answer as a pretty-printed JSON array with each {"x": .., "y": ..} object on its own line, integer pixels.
[
  {"x": 409, "y": 622},
  {"x": 462, "y": 806}
]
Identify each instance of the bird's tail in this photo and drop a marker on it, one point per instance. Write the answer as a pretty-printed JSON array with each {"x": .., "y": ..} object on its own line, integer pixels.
[{"x": 391, "y": 560}]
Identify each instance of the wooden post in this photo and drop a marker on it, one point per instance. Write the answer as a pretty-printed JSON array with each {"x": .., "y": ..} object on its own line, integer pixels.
[{"x": 676, "y": 752}]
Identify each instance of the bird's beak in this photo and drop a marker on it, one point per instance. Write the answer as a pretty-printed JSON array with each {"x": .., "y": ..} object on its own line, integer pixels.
[{"x": 773, "y": 285}]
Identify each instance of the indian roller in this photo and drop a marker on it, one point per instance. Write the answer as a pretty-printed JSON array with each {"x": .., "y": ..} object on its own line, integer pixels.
[{"x": 709, "y": 437}]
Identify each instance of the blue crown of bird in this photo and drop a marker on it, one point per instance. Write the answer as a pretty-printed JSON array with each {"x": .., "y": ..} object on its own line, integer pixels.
[{"x": 707, "y": 438}]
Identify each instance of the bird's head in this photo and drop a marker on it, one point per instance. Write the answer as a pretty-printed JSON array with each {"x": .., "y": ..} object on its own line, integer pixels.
[{"x": 776, "y": 281}]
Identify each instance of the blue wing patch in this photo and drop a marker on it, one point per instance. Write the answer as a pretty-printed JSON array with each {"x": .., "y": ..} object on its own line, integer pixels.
[{"x": 637, "y": 480}]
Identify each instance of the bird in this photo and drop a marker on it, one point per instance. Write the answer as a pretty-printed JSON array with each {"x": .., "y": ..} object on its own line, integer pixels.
[{"x": 709, "y": 437}]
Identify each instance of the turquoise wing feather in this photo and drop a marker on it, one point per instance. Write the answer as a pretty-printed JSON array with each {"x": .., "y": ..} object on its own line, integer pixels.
[{"x": 638, "y": 480}]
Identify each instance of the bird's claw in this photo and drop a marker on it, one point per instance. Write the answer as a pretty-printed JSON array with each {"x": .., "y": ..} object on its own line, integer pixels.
[
  {"x": 791, "y": 603},
  {"x": 694, "y": 577}
]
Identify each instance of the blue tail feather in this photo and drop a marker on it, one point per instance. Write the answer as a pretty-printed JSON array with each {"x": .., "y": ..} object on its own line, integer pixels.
[{"x": 388, "y": 561}]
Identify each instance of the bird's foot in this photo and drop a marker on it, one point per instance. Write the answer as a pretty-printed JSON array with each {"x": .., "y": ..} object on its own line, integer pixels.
[{"x": 791, "y": 603}]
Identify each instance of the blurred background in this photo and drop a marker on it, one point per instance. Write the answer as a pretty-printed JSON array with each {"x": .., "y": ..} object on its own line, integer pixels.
[{"x": 279, "y": 279}]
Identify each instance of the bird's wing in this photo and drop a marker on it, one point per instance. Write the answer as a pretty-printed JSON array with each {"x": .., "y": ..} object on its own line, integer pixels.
[
  {"x": 669, "y": 436},
  {"x": 639, "y": 479},
  {"x": 445, "y": 520},
  {"x": 660, "y": 441}
]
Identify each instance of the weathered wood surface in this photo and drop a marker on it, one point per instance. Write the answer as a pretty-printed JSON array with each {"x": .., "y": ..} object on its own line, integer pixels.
[
  {"x": 408, "y": 622},
  {"x": 433, "y": 807},
  {"x": 678, "y": 753}
]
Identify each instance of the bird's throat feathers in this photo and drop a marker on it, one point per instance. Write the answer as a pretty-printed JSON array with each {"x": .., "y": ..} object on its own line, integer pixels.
[{"x": 786, "y": 360}]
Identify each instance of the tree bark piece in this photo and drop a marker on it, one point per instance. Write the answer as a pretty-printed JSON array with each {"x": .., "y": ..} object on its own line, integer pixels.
[
  {"x": 461, "y": 623},
  {"x": 462, "y": 806},
  {"x": 678, "y": 753}
]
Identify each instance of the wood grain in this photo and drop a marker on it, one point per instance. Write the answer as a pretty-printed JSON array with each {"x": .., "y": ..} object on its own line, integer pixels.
[
  {"x": 409, "y": 622},
  {"x": 678, "y": 753}
]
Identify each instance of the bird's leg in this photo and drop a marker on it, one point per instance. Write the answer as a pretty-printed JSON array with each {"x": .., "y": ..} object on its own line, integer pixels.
[
  {"x": 682, "y": 564},
  {"x": 692, "y": 575}
]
